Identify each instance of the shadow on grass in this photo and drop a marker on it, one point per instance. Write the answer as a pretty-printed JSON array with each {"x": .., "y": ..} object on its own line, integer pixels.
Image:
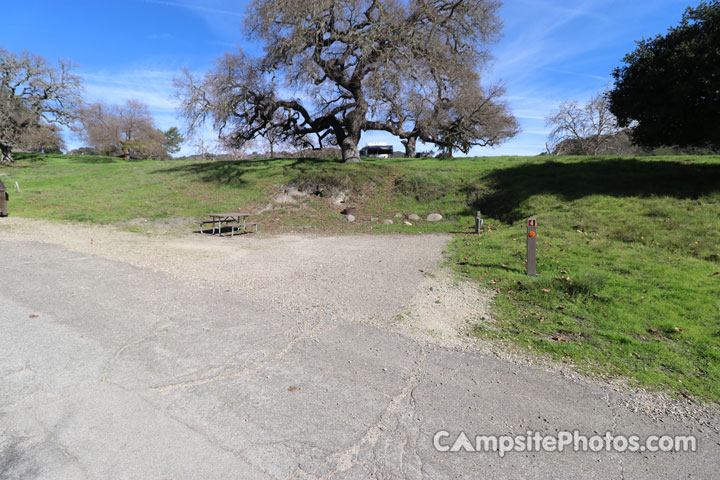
[
  {"x": 90, "y": 159},
  {"x": 226, "y": 172},
  {"x": 96, "y": 159},
  {"x": 490, "y": 266},
  {"x": 30, "y": 157},
  {"x": 506, "y": 190}
]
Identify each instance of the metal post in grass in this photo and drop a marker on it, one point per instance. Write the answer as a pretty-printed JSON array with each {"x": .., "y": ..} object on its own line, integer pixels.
[
  {"x": 478, "y": 222},
  {"x": 531, "y": 246}
]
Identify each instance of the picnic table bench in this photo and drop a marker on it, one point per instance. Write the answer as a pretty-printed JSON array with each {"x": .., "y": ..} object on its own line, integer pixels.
[{"x": 235, "y": 220}]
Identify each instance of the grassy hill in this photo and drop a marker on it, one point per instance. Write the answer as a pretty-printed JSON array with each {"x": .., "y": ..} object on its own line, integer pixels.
[{"x": 629, "y": 255}]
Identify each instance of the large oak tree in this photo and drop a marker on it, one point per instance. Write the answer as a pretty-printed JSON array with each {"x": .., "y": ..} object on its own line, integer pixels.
[
  {"x": 33, "y": 94},
  {"x": 324, "y": 62}
]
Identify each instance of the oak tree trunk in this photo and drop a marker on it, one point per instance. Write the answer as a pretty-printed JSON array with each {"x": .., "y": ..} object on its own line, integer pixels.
[
  {"x": 410, "y": 146},
  {"x": 350, "y": 152},
  {"x": 6, "y": 154},
  {"x": 354, "y": 124}
]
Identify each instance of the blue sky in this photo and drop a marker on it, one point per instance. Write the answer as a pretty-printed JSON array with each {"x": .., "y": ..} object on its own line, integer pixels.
[{"x": 550, "y": 51}]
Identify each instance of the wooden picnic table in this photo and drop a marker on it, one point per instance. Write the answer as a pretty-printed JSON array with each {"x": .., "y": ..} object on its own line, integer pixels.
[{"x": 234, "y": 219}]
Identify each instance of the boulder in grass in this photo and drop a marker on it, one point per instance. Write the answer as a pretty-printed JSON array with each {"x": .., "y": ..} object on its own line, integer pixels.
[
  {"x": 434, "y": 217},
  {"x": 350, "y": 218},
  {"x": 413, "y": 217},
  {"x": 388, "y": 222}
]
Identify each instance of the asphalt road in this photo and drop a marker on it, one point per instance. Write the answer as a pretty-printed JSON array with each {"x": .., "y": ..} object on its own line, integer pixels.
[{"x": 112, "y": 371}]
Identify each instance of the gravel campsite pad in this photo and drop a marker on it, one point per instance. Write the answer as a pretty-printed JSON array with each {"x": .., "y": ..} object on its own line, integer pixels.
[
  {"x": 283, "y": 356},
  {"x": 354, "y": 278}
]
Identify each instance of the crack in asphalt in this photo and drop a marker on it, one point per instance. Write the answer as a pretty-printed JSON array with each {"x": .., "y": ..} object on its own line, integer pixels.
[
  {"x": 119, "y": 352},
  {"x": 347, "y": 458},
  {"x": 613, "y": 411},
  {"x": 52, "y": 438},
  {"x": 218, "y": 378}
]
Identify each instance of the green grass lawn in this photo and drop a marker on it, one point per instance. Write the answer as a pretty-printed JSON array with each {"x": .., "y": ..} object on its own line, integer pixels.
[{"x": 628, "y": 248}]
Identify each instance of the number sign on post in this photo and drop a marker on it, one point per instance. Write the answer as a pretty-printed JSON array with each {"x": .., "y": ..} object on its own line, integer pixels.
[{"x": 531, "y": 246}]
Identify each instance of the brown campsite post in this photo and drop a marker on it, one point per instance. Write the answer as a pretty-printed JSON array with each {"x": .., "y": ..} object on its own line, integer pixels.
[
  {"x": 4, "y": 197},
  {"x": 531, "y": 246}
]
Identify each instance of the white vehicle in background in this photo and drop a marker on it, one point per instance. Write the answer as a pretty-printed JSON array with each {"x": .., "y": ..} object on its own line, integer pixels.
[{"x": 378, "y": 150}]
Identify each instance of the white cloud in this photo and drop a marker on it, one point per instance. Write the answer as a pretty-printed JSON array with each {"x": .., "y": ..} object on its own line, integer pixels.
[
  {"x": 607, "y": 78},
  {"x": 223, "y": 17},
  {"x": 159, "y": 36},
  {"x": 202, "y": 8},
  {"x": 153, "y": 87}
]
